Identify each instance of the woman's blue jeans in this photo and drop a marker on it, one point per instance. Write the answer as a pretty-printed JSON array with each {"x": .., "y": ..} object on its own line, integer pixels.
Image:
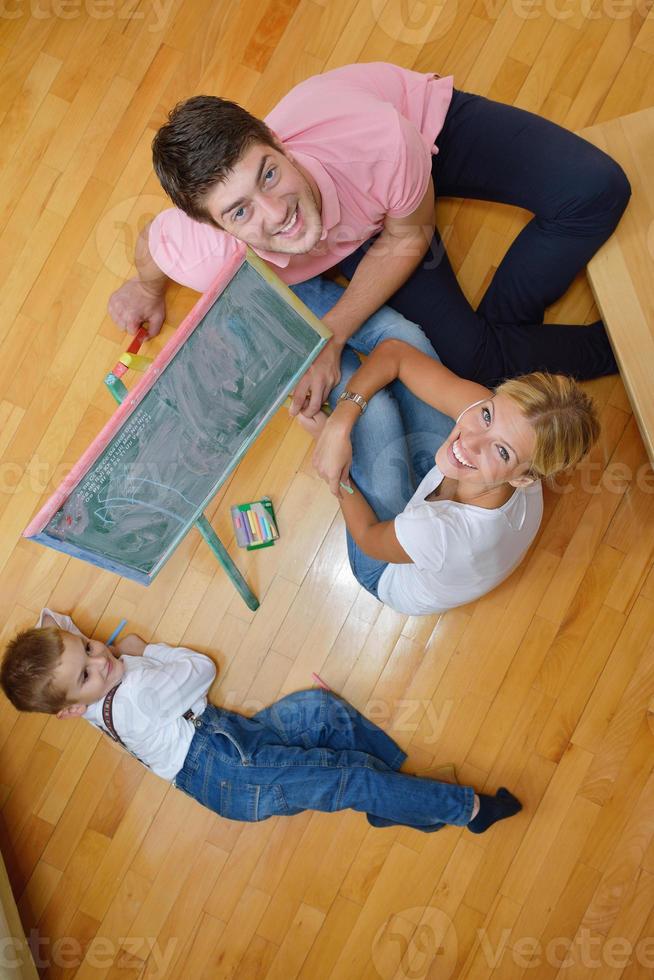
[
  {"x": 311, "y": 751},
  {"x": 396, "y": 439}
]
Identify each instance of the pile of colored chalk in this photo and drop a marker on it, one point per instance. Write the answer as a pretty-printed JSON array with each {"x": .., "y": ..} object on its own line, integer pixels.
[{"x": 254, "y": 524}]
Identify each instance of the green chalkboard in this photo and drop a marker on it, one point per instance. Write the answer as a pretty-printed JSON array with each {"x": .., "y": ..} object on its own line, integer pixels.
[{"x": 167, "y": 459}]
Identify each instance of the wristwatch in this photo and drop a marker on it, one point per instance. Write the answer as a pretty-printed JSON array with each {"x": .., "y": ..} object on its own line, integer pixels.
[{"x": 351, "y": 396}]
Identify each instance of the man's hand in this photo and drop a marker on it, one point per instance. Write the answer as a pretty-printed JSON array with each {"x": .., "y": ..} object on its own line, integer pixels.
[
  {"x": 136, "y": 302},
  {"x": 314, "y": 387}
]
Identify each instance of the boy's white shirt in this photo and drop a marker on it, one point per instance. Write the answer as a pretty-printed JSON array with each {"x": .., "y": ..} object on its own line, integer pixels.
[{"x": 156, "y": 690}]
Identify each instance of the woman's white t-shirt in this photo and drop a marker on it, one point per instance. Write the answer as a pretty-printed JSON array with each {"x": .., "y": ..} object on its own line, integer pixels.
[{"x": 459, "y": 552}]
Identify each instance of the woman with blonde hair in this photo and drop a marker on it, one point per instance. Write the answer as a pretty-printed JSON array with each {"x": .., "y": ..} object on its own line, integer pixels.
[{"x": 440, "y": 513}]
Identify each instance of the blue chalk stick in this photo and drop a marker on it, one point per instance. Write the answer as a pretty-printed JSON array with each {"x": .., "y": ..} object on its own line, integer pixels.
[{"x": 121, "y": 625}]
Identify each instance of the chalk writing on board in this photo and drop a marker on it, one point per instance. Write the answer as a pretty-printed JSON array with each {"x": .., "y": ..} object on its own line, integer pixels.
[
  {"x": 197, "y": 420},
  {"x": 131, "y": 433}
]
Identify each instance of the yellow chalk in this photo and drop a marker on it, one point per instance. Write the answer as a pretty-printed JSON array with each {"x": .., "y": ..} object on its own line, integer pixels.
[
  {"x": 253, "y": 525},
  {"x": 138, "y": 362},
  {"x": 326, "y": 408}
]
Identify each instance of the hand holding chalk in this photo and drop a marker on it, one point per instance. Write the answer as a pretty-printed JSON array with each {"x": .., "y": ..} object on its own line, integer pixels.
[
  {"x": 136, "y": 302},
  {"x": 332, "y": 459},
  {"x": 332, "y": 456}
]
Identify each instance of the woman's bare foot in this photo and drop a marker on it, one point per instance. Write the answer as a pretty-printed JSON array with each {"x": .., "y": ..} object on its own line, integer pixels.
[{"x": 313, "y": 426}]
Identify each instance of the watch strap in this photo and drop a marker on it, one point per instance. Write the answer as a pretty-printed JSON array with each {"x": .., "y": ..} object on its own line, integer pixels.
[{"x": 352, "y": 396}]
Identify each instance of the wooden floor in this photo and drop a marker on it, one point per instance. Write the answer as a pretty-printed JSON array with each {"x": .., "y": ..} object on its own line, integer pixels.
[{"x": 544, "y": 685}]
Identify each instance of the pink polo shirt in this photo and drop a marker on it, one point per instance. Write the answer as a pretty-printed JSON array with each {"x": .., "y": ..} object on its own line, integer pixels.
[{"x": 365, "y": 133}]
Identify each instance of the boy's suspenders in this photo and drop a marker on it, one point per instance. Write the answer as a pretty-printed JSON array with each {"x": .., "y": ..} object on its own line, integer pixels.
[{"x": 108, "y": 719}]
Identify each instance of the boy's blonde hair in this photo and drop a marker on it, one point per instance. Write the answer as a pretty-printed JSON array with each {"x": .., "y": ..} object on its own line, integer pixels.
[
  {"x": 27, "y": 671},
  {"x": 563, "y": 416}
]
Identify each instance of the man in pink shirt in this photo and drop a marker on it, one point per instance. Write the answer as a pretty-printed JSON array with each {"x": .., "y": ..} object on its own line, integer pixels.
[{"x": 343, "y": 173}]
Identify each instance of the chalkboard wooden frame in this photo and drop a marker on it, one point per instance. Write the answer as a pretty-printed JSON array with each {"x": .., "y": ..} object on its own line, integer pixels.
[{"x": 37, "y": 529}]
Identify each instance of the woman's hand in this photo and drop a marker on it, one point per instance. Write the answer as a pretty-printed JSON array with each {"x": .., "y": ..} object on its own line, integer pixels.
[{"x": 332, "y": 456}]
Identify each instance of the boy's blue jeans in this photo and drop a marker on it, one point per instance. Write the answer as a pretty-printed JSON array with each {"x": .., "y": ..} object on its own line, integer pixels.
[
  {"x": 311, "y": 751},
  {"x": 396, "y": 439}
]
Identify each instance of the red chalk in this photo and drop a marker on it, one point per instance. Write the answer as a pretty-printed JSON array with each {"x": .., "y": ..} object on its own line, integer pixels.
[
  {"x": 320, "y": 682},
  {"x": 140, "y": 337}
]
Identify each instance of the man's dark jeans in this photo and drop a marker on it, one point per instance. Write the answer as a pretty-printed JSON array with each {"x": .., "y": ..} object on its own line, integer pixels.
[{"x": 577, "y": 194}]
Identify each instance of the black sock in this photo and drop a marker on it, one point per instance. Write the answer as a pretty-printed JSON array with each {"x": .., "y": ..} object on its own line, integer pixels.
[{"x": 494, "y": 808}]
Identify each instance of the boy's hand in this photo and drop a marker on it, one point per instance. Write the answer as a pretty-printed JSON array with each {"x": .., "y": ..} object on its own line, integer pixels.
[{"x": 132, "y": 645}]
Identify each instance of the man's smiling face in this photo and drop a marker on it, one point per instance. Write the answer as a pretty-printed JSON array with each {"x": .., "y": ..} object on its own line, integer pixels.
[{"x": 268, "y": 203}]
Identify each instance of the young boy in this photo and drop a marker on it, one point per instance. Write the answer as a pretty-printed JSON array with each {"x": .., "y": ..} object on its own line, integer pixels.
[{"x": 308, "y": 751}]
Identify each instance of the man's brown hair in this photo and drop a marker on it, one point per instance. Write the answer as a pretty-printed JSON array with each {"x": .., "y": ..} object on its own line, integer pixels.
[
  {"x": 27, "y": 671},
  {"x": 200, "y": 145}
]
